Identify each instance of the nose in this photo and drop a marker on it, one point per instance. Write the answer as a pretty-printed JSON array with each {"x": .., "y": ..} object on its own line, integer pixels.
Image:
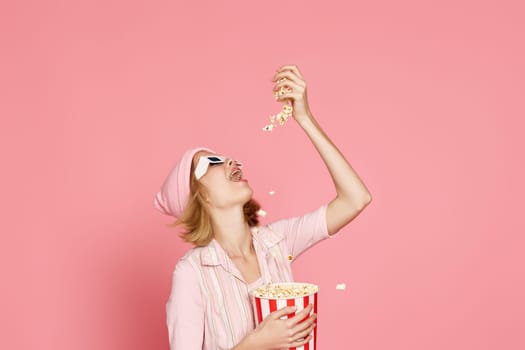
[{"x": 234, "y": 163}]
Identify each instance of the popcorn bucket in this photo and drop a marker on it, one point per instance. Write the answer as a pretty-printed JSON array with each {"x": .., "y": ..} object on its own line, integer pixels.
[{"x": 275, "y": 296}]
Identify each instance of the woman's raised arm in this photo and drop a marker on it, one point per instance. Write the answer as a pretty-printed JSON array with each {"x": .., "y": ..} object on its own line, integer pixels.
[{"x": 352, "y": 194}]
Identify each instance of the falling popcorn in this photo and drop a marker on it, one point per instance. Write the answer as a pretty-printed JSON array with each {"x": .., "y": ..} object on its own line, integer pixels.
[
  {"x": 340, "y": 286},
  {"x": 261, "y": 212},
  {"x": 271, "y": 193},
  {"x": 286, "y": 111}
]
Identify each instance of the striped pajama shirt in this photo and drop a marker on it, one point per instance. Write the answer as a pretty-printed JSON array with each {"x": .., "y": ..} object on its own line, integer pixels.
[{"x": 209, "y": 307}]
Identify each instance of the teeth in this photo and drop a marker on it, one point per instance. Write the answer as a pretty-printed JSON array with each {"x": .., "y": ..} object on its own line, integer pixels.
[{"x": 236, "y": 175}]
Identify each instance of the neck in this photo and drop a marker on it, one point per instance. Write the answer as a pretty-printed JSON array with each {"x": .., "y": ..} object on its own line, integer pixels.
[{"x": 232, "y": 231}]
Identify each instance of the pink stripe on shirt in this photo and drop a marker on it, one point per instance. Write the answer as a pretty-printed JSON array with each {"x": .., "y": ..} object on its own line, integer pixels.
[{"x": 209, "y": 307}]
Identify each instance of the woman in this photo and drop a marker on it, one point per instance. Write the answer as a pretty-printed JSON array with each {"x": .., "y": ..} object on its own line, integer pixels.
[{"x": 209, "y": 306}]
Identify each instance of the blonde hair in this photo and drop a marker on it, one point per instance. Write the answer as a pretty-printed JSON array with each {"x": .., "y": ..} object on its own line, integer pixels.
[{"x": 197, "y": 221}]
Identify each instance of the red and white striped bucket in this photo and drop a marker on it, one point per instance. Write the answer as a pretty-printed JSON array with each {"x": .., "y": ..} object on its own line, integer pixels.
[{"x": 263, "y": 306}]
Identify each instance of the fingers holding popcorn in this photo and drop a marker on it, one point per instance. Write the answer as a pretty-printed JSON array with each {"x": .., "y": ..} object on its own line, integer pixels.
[
  {"x": 288, "y": 95},
  {"x": 283, "y": 88},
  {"x": 289, "y": 84},
  {"x": 288, "y": 78},
  {"x": 290, "y": 89},
  {"x": 290, "y": 74},
  {"x": 292, "y": 68}
]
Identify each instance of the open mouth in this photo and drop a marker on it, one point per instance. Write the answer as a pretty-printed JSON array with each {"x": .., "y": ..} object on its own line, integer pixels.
[{"x": 236, "y": 175}]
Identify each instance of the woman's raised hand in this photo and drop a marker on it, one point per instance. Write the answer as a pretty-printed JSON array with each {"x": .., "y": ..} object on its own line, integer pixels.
[
  {"x": 296, "y": 82},
  {"x": 274, "y": 333}
]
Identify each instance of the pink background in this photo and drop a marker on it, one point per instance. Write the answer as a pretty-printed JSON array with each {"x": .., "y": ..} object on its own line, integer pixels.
[{"x": 425, "y": 100}]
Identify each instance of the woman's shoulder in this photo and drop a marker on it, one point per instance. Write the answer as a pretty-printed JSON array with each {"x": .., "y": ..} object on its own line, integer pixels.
[
  {"x": 190, "y": 258},
  {"x": 267, "y": 235}
]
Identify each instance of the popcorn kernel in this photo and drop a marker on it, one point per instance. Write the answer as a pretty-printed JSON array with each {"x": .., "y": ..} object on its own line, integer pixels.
[
  {"x": 340, "y": 286},
  {"x": 283, "y": 290},
  {"x": 261, "y": 212},
  {"x": 286, "y": 111}
]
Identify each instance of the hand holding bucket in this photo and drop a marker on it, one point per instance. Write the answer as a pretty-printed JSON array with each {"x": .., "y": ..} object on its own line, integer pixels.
[{"x": 283, "y": 307}]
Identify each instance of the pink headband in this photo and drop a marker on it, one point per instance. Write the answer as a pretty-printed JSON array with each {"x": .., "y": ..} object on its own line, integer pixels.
[{"x": 175, "y": 191}]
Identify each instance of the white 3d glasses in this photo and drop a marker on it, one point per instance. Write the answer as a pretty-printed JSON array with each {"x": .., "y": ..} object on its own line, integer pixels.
[{"x": 203, "y": 163}]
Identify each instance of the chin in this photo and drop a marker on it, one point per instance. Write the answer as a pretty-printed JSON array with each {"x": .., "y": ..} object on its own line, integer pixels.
[{"x": 248, "y": 194}]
